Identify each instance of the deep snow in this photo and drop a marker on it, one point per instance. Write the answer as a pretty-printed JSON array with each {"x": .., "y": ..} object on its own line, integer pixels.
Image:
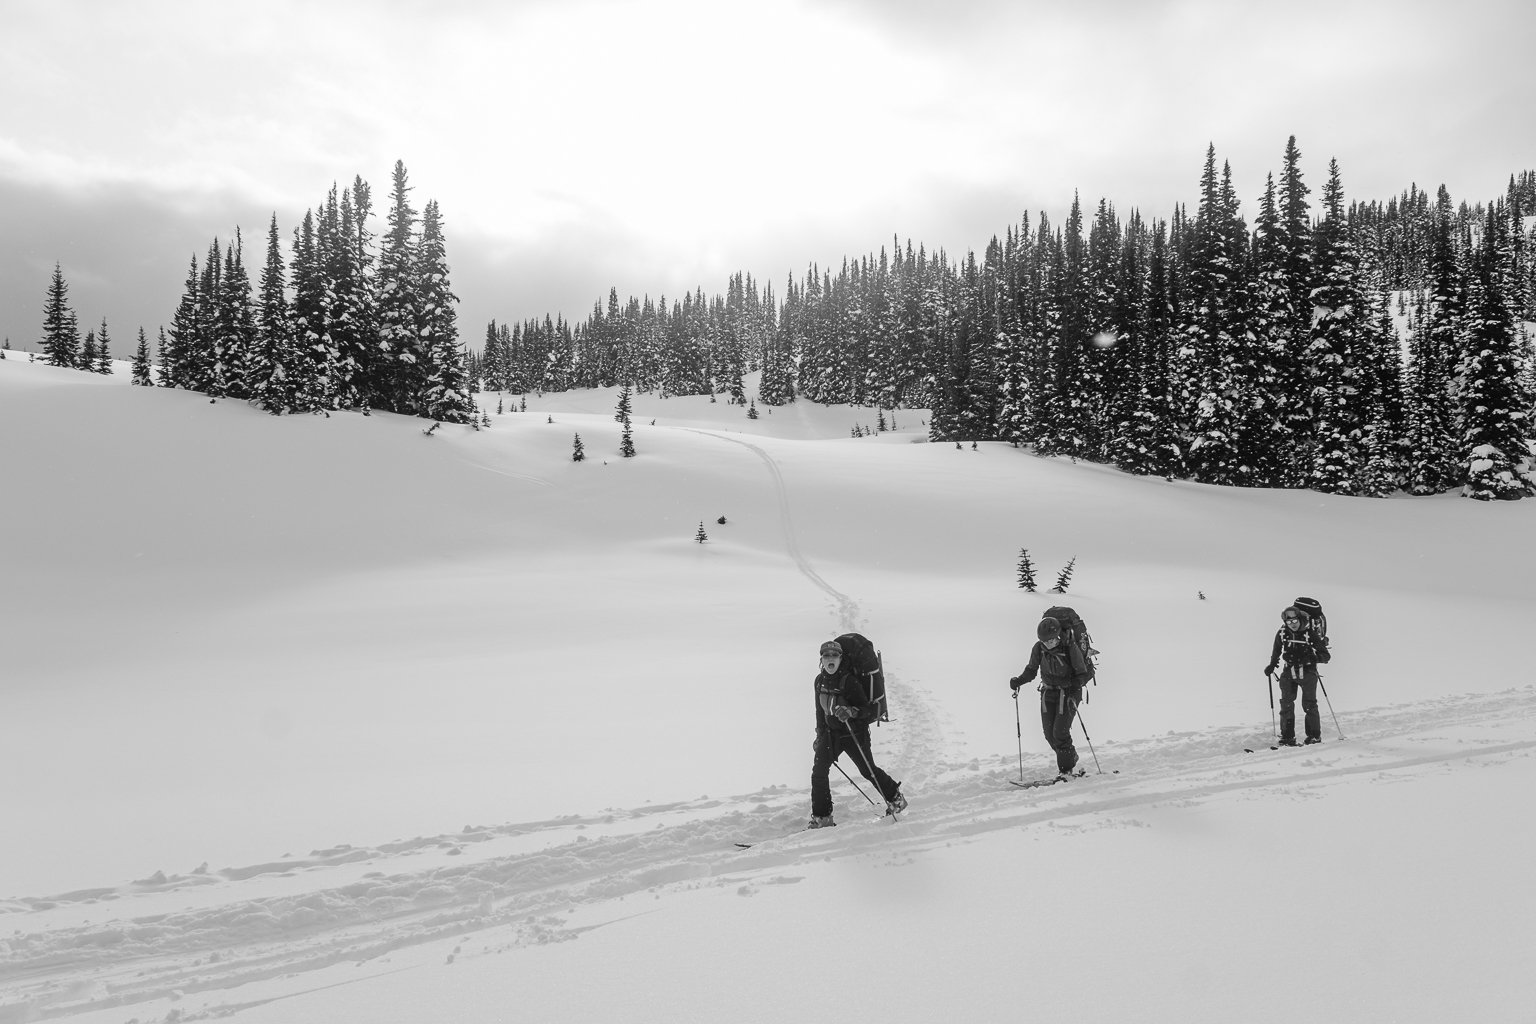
[{"x": 317, "y": 719}]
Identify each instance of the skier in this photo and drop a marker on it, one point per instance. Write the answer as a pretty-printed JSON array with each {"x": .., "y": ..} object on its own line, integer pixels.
[
  {"x": 1302, "y": 650},
  {"x": 843, "y": 713},
  {"x": 1063, "y": 669}
]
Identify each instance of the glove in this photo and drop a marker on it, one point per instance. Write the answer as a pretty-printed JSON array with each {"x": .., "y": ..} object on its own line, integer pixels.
[
  {"x": 844, "y": 712},
  {"x": 1269, "y": 670},
  {"x": 1014, "y": 684}
]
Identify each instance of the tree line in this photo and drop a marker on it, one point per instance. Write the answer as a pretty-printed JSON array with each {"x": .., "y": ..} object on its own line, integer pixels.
[
  {"x": 1189, "y": 347},
  {"x": 353, "y": 323}
]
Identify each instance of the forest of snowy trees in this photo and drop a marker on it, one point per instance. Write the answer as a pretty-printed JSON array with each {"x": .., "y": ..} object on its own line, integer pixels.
[
  {"x": 345, "y": 327},
  {"x": 1190, "y": 347}
]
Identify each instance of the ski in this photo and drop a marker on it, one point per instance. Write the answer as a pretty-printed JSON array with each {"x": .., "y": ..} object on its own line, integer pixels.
[
  {"x": 748, "y": 846},
  {"x": 786, "y": 835},
  {"x": 1249, "y": 750},
  {"x": 1051, "y": 781}
]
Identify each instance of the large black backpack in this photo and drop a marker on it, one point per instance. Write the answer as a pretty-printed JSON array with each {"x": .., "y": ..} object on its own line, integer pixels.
[
  {"x": 1072, "y": 627},
  {"x": 860, "y": 655},
  {"x": 1314, "y": 609},
  {"x": 1074, "y": 631}
]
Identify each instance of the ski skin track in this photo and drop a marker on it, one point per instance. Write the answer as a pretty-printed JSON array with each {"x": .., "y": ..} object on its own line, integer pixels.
[
  {"x": 801, "y": 831},
  {"x": 528, "y": 884},
  {"x": 1049, "y": 781}
]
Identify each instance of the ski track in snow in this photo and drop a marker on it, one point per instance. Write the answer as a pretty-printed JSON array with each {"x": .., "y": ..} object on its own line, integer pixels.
[
  {"x": 919, "y": 738},
  {"x": 517, "y": 885},
  {"x": 522, "y": 884}
]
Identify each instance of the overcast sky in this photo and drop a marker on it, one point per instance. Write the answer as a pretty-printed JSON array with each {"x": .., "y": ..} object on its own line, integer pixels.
[{"x": 660, "y": 145}]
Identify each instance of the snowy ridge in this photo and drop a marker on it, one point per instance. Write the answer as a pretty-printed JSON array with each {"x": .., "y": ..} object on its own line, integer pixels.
[{"x": 518, "y": 885}]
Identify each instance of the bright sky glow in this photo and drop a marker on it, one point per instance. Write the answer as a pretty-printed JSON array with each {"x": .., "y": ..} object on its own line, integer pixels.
[{"x": 662, "y": 145}]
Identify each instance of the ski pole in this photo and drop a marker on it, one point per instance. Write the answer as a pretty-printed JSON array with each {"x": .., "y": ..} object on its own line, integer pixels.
[
  {"x": 1330, "y": 706},
  {"x": 1273, "y": 727},
  {"x": 1090, "y": 742},
  {"x": 1019, "y": 728},
  {"x": 867, "y": 767},
  {"x": 855, "y": 785}
]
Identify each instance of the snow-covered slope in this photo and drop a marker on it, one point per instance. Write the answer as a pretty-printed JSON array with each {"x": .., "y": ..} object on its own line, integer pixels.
[{"x": 321, "y": 719}]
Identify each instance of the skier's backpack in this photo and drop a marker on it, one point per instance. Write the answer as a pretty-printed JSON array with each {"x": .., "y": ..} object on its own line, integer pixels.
[
  {"x": 1314, "y": 609},
  {"x": 860, "y": 655},
  {"x": 1074, "y": 631}
]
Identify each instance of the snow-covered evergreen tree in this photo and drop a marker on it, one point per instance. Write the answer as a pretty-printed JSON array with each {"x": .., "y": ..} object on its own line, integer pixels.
[
  {"x": 142, "y": 375},
  {"x": 103, "y": 363},
  {"x": 182, "y": 338},
  {"x": 1223, "y": 350},
  {"x": 1495, "y": 409},
  {"x": 235, "y": 325},
  {"x": 61, "y": 331},
  {"x": 86, "y": 360},
  {"x": 1148, "y": 442},
  {"x": 445, "y": 395},
  {"x": 1335, "y": 352},
  {"x": 400, "y": 377},
  {"x": 311, "y": 375}
]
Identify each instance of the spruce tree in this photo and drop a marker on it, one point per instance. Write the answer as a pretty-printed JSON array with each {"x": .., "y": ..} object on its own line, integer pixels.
[
  {"x": 310, "y": 377},
  {"x": 183, "y": 337},
  {"x": 1064, "y": 578},
  {"x": 274, "y": 382},
  {"x": 1295, "y": 271},
  {"x": 141, "y": 366},
  {"x": 1223, "y": 351},
  {"x": 86, "y": 359},
  {"x": 1334, "y": 353},
  {"x": 400, "y": 376},
  {"x": 1026, "y": 571},
  {"x": 1496, "y": 410},
  {"x": 446, "y": 393},
  {"x": 235, "y": 325},
  {"x": 1149, "y": 442},
  {"x": 103, "y": 363},
  {"x": 627, "y": 442},
  {"x": 578, "y": 450},
  {"x": 61, "y": 331},
  {"x": 202, "y": 357},
  {"x": 1434, "y": 463}
]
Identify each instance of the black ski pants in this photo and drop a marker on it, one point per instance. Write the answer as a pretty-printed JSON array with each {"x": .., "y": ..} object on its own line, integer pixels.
[
  {"x": 854, "y": 743},
  {"x": 1306, "y": 682},
  {"x": 1058, "y": 709}
]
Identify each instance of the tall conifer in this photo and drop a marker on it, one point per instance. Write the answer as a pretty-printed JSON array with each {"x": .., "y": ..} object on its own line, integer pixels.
[{"x": 61, "y": 331}]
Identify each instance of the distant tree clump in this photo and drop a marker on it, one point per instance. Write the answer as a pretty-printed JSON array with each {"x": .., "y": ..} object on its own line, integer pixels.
[
  {"x": 346, "y": 325},
  {"x": 1187, "y": 345}
]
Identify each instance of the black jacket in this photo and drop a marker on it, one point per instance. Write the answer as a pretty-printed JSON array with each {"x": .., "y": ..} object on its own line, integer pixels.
[
  {"x": 1302, "y": 650},
  {"x": 1064, "y": 665},
  {"x": 842, "y": 688}
]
